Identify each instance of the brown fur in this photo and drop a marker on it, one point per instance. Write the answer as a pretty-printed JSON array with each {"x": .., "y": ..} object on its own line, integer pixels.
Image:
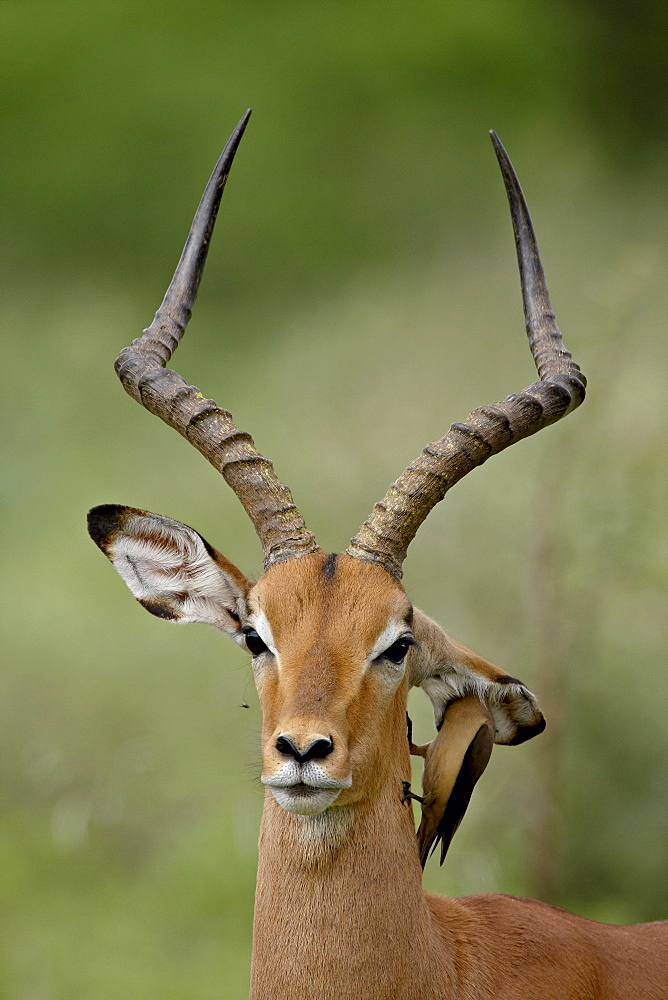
[{"x": 340, "y": 910}]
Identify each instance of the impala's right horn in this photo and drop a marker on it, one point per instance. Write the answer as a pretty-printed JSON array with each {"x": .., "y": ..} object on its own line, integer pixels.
[
  {"x": 385, "y": 536},
  {"x": 141, "y": 369}
]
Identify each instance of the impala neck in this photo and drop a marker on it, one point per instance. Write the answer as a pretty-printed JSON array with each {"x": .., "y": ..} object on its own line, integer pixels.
[{"x": 339, "y": 898}]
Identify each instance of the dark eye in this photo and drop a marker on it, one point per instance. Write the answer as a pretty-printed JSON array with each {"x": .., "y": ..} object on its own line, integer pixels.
[
  {"x": 397, "y": 650},
  {"x": 254, "y": 643}
]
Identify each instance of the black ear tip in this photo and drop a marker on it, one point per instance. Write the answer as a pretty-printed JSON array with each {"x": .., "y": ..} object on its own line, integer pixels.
[
  {"x": 525, "y": 733},
  {"x": 103, "y": 522}
]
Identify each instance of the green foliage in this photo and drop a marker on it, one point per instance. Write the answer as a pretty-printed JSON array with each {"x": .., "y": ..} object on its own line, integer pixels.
[{"x": 360, "y": 295}]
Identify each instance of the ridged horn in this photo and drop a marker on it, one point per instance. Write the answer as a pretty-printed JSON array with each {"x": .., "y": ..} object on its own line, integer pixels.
[
  {"x": 141, "y": 369},
  {"x": 385, "y": 536}
]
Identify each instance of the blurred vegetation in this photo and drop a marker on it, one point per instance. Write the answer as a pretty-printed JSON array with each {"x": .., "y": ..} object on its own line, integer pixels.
[{"x": 361, "y": 294}]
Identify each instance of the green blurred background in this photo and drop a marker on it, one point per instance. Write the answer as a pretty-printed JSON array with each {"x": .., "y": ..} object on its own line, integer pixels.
[{"x": 360, "y": 295}]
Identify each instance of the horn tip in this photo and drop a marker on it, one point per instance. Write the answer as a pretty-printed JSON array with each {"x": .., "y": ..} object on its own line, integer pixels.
[
  {"x": 499, "y": 148},
  {"x": 240, "y": 129},
  {"x": 235, "y": 138}
]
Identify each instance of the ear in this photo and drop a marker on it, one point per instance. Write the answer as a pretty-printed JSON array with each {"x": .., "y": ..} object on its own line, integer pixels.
[
  {"x": 453, "y": 763},
  {"x": 446, "y": 670},
  {"x": 171, "y": 570}
]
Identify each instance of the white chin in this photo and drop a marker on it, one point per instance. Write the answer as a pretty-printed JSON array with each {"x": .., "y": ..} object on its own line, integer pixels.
[{"x": 305, "y": 801}]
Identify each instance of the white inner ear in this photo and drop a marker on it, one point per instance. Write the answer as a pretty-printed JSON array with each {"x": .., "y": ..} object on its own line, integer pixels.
[
  {"x": 511, "y": 705},
  {"x": 446, "y": 671},
  {"x": 167, "y": 567}
]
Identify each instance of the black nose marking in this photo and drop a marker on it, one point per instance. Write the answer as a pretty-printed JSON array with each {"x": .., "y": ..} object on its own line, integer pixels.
[{"x": 317, "y": 749}]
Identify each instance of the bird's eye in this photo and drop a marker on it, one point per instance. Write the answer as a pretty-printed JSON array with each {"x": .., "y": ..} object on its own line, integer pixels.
[
  {"x": 397, "y": 651},
  {"x": 254, "y": 643}
]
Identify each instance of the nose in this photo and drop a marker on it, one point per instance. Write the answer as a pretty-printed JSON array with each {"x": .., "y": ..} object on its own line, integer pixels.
[{"x": 317, "y": 748}]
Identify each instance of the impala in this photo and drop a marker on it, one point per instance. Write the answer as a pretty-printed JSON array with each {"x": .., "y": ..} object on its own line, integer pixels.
[{"x": 336, "y": 644}]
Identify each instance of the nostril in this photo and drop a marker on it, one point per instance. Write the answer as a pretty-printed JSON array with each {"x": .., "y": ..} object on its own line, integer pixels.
[
  {"x": 319, "y": 748},
  {"x": 285, "y": 745}
]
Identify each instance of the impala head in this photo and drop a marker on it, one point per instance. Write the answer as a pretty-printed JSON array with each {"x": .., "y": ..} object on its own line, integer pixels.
[
  {"x": 331, "y": 637},
  {"x": 335, "y": 642}
]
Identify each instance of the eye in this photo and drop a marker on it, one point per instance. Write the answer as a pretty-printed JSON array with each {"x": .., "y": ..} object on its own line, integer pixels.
[
  {"x": 254, "y": 643},
  {"x": 397, "y": 651}
]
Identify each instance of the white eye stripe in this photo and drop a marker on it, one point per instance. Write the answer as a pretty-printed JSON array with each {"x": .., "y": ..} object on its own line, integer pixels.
[
  {"x": 258, "y": 620},
  {"x": 393, "y": 631}
]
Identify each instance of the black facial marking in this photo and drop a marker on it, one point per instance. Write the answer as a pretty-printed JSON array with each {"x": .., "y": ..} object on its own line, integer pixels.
[{"x": 329, "y": 569}]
